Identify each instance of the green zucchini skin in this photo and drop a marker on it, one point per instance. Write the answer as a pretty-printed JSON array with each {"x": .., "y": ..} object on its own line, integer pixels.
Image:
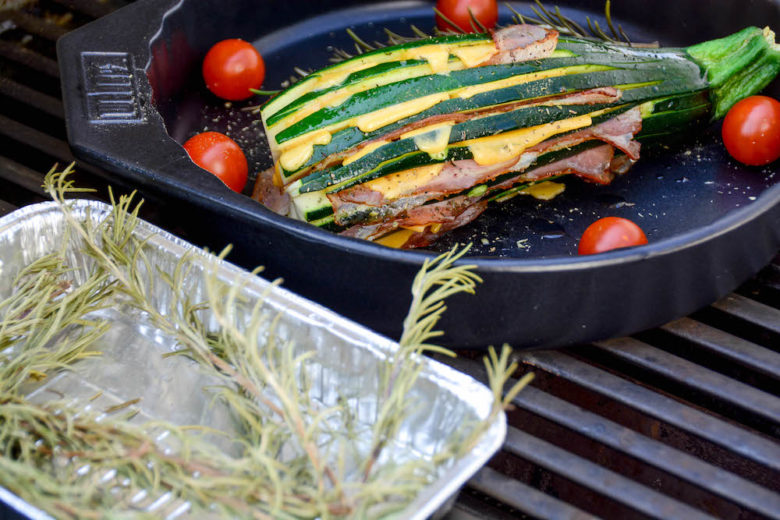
[
  {"x": 386, "y": 54},
  {"x": 348, "y": 138},
  {"x": 319, "y": 214},
  {"x": 383, "y": 160},
  {"x": 675, "y": 88},
  {"x": 388, "y": 95}
]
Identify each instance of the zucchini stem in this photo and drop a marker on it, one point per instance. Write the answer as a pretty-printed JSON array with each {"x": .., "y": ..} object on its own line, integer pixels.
[{"x": 737, "y": 66}]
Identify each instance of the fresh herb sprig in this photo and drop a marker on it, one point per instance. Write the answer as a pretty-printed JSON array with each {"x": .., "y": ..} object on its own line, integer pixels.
[{"x": 290, "y": 454}]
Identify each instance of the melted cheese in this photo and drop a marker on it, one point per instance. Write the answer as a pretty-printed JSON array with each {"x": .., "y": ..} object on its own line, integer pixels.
[
  {"x": 416, "y": 229},
  {"x": 436, "y": 55},
  {"x": 295, "y": 156},
  {"x": 329, "y": 100},
  {"x": 425, "y": 129},
  {"x": 467, "y": 92},
  {"x": 474, "y": 55},
  {"x": 395, "y": 239},
  {"x": 396, "y": 185},
  {"x": 385, "y": 116},
  {"x": 506, "y": 146},
  {"x": 547, "y": 190},
  {"x": 363, "y": 152},
  {"x": 337, "y": 97},
  {"x": 432, "y": 140}
]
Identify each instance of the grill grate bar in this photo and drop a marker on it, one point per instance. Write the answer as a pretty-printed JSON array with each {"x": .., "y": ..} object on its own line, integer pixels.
[
  {"x": 6, "y": 208},
  {"x": 687, "y": 467},
  {"x": 738, "y": 440},
  {"x": 751, "y": 311},
  {"x": 690, "y": 374},
  {"x": 733, "y": 348},
  {"x": 472, "y": 506},
  {"x": 34, "y": 98},
  {"x": 591, "y": 475},
  {"x": 21, "y": 176},
  {"x": 38, "y": 140},
  {"x": 522, "y": 497},
  {"x": 29, "y": 59},
  {"x": 671, "y": 460},
  {"x": 90, "y": 7},
  {"x": 34, "y": 25}
]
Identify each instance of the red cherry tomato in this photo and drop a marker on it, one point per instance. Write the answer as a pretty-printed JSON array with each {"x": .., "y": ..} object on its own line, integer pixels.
[
  {"x": 610, "y": 233},
  {"x": 751, "y": 130},
  {"x": 231, "y": 68},
  {"x": 220, "y": 155},
  {"x": 457, "y": 11}
]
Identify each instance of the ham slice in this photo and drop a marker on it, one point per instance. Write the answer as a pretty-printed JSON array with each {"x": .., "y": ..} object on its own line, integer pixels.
[
  {"x": 601, "y": 95},
  {"x": 449, "y": 214},
  {"x": 270, "y": 195},
  {"x": 519, "y": 43},
  {"x": 458, "y": 176},
  {"x": 594, "y": 164},
  {"x": 618, "y": 131}
]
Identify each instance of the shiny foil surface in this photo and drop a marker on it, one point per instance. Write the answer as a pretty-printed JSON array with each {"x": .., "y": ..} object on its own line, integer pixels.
[{"x": 345, "y": 365}]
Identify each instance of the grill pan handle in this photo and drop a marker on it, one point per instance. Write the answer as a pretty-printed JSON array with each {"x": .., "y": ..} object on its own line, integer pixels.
[{"x": 110, "y": 104}]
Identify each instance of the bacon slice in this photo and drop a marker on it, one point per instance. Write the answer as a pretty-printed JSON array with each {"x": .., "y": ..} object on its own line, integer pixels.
[
  {"x": 595, "y": 96},
  {"x": 618, "y": 131},
  {"x": 270, "y": 195},
  {"x": 519, "y": 43},
  {"x": 594, "y": 164},
  {"x": 449, "y": 214},
  {"x": 458, "y": 176}
]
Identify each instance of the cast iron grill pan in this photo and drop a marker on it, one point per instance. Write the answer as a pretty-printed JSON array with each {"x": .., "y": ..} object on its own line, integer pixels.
[{"x": 711, "y": 224}]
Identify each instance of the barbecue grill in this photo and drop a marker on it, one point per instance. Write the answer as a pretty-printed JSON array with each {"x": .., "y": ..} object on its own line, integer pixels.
[{"x": 681, "y": 421}]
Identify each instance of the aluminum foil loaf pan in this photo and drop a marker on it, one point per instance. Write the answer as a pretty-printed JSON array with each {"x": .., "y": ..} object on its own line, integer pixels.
[{"x": 344, "y": 367}]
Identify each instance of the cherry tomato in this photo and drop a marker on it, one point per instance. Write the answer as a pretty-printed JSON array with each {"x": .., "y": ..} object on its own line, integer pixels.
[
  {"x": 220, "y": 155},
  {"x": 231, "y": 68},
  {"x": 610, "y": 233},
  {"x": 457, "y": 11},
  {"x": 751, "y": 130}
]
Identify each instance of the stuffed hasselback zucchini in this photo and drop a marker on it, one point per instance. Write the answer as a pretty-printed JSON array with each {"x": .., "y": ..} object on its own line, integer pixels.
[{"x": 404, "y": 143}]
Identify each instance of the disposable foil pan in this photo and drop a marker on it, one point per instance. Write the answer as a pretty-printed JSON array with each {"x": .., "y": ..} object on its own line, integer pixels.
[{"x": 346, "y": 360}]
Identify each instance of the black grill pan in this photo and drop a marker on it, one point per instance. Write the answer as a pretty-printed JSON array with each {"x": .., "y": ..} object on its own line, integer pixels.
[{"x": 133, "y": 93}]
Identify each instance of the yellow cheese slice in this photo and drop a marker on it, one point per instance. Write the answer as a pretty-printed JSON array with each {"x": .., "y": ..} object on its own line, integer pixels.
[
  {"x": 363, "y": 152},
  {"x": 434, "y": 142},
  {"x": 472, "y": 56},
  {"x": 467, "y": 92},
  {"x": 385, "y": 116},
  {"x": 503, "y": 147},
  {"x": 395, "y": 185},
  {"x": 296, "y": 156},
  {"x": 547, "y": 190},
  {"x": 395, "y": 239},
  {"x": 416, "y": 229},
  {"x": 437, "y": 56}
]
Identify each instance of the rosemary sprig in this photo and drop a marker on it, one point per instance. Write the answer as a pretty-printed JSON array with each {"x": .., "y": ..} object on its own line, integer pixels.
[{"x": 289, "y": 456}]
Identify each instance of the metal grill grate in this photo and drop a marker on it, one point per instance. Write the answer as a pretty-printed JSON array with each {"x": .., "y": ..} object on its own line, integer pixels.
[{"x": 678, "y": 422}]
